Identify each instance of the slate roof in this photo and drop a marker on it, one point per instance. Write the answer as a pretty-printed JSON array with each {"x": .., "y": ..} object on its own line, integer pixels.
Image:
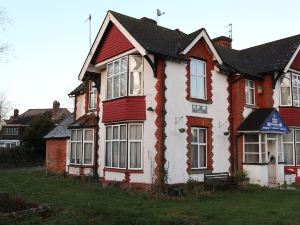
[
  {"x": 155, "y": 38},
  {"x": 61, "y": 131},
  {"x": 86, "y": 121},
  {"x": 26, "y": 117},
  {"x": 255, "y": 119},
  {"x": 261, "y": 59},
  {"x": 78, "y": 90}
]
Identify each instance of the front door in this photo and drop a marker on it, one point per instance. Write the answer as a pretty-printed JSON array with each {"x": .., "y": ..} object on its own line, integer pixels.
[{"x": 272, "y": 155}]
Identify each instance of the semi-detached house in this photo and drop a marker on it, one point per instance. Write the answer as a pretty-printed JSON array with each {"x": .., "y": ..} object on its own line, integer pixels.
[{"x": 157, "y": 105}]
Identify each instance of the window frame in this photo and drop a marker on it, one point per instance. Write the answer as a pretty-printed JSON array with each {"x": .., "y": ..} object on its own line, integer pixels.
[
  {"x": 198, "y": 76},
  {"x": 198, "y": 149},
  {"x": 280, "y": 87},
  {"x": 128, "y": 79},
  {"x": 82, "y": 141},
  {"x": 290, "y": 143},
  {"x": 128, "y": 141},
  {"x": 297, "y": 88},
  {"x": 261, "y": 141},
  {"x": 92, "y": 92},
  {"x": 250, "y": 90},
  {"x": 134, "y": 140}
]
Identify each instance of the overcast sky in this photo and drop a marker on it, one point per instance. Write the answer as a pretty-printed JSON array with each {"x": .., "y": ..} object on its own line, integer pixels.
[{"x": 49, "y": 39}]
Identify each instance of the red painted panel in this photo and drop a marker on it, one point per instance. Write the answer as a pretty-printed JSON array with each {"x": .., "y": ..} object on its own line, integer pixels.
[
  {"x": 113, "y": 43},
  {"x": 296, "y": 63},
  {"x": 127, "y": 108},
  {"x": 291, "y": 115}
]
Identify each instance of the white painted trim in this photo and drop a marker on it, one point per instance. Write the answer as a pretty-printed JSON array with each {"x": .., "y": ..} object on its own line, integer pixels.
[
  {"x": 115, "y": 57},
  {"x": 292, "y": 59},
  {"x": 294, "y": 71},
  {"x": 109, "y": 17},
  {"x": 209, "y": 43}
]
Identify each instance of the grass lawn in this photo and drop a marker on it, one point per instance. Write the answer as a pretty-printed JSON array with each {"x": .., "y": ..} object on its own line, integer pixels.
[{"x": 80, "y": 203}]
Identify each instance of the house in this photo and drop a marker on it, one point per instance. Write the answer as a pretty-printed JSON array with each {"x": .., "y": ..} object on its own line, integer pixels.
[
  {"x": 10, "y": 135},
  {"x": 157, "y": 106},
  {"x": 2, "y": 122},
  {"x": 57, "y": 143}
]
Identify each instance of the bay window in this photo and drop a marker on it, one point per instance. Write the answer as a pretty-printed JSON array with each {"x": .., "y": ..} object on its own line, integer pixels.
[
  {"x": 291, "y": 146},
  {"x": 119, "y": 72},
  {"x": 199, "y": 148},
  {"x": 290, "y": 90},
  {"x": 197, "y": 79},
  {"x": 250, "y": 92},
  {"x": 82, "y": 146},
  {"x": 124, "y": 151}
]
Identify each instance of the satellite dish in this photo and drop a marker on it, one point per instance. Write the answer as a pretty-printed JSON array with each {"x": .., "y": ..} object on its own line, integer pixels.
[{"x": 159, "y": 13}]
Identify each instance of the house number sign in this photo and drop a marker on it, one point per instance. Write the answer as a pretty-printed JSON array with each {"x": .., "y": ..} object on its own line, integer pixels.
[{"x": 199, "y": 109}]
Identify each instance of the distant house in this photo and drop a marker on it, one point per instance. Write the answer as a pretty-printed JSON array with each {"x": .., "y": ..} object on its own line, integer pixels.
[
  {"x": 10, "y": 134},
  {"x": 56, "y": 146},
  {"x": 2, "y": 122}
]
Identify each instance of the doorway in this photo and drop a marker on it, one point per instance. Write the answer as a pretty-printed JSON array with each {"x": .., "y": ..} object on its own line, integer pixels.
[{"x": 272, "y": 158}]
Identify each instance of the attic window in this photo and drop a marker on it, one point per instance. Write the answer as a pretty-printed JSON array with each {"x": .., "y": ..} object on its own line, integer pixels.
[{"x": 198, "y": 79}]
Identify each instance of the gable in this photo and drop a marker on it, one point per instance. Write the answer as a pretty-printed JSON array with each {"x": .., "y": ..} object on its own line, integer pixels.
[
  {"x": 296, "y": 63},
  {"x": 201, "y": 51},
  {"x": 112, "y": 44}
]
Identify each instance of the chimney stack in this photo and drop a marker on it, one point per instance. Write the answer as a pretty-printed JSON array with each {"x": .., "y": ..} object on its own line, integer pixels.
[
  {"x": 56, "y": 105},
  {"x": 223, "y": 41},
  {"x": 16, "y": 114}
]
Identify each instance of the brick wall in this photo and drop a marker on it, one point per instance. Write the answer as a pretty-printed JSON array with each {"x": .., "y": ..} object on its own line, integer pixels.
[{"x": 56, "y": 155}]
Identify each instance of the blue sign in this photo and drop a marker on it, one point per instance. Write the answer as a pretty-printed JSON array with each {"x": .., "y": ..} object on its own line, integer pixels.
[{"x": 274, "y": 123}]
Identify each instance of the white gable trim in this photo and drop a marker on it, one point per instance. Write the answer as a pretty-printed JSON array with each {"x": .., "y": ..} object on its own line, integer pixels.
[
  {"x": 109, "y": 17},
  {"x": 209, "y": 43},
  {"x": 292, "y": 59}
]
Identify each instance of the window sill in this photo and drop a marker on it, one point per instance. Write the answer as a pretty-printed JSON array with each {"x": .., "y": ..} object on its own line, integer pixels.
[
  {"x": 289, "y": 106},
  {"x": 127, "y": 96},
  {"x": 205, "y": 101},
  {"x": 256, "y": 164},
  {"x": 80, "y": 166},
  {"x": 200, "y": 171},
  {"x": 118, "y": 170}
]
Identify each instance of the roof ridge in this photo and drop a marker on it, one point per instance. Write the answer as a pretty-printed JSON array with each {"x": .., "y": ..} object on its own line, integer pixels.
[{"x": 271, "y": 42}]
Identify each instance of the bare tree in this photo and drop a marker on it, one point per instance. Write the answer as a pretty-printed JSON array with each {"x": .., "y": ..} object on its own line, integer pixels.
[
  {"x": 4, "y": 105},
  {"x": 3, "y": 22}
]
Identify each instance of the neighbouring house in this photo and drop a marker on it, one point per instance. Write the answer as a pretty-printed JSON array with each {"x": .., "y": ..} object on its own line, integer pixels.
[
  {"x": 10, "y": 135},
  {"x": 158, "y": 106},
  {"x": 57, "y": 143},
  {"x": 2, "y": 122}
]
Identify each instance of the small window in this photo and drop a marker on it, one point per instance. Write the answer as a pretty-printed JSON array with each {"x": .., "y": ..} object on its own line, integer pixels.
[
  {"x": 285, "y": 90},
  {"x": 135, "y": 75},
  {"x": 255, "y": 148},
  {"x": 92, "y": 95},
  {"x": 296, "y": 89},
  {"x": 197, "y": 79},
  {"x": 199, "y": 148},
  {"x": 250, "y": 92}
]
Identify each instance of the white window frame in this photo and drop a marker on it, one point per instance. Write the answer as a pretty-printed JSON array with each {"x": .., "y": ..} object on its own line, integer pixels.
[
  {"x": 119, "y": 141},
  {"x": 198, "y": 76},
  {"x": 82, "y": 141},
  {"x": 92, "y": 96},
  {"x": 127, "y": 86},
  {"x": 291, "y": 143},
  {"x": 250, "y": 89},
  {"x": 133, "y": 140},
  {"x": 128, "y": 141},
  {"x": 280, "y": 95},
  {"x": 87, "y": 142},
  {"x": 296, "y": 142},
  {"x": 129, "y": 77},
  {"x": 199, "y": 144},
  {"x": 297, "y": 89},
  {"x": 260, "y": 143}
]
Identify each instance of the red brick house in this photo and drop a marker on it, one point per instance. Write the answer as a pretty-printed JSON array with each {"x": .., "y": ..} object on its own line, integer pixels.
[{"x": 160, "y": 106}]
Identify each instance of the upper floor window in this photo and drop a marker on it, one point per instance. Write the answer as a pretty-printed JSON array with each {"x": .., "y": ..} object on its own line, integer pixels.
[
  {"x": 118, "y": 74},
  {"x": 11, "y": 131},
  {"x": 92, "y": 95},
  {"x": 250, "y": 92},
  {"x": 290, "y": 90},
  {"x": 197, "y": 79},
  {"x": 199, "y": 148}
]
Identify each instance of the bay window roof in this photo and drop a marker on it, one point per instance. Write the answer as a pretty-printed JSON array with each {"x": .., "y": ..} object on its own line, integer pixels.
[
  {"x": 265, "y": 120},
  {"x": 86, "y": 121}
]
